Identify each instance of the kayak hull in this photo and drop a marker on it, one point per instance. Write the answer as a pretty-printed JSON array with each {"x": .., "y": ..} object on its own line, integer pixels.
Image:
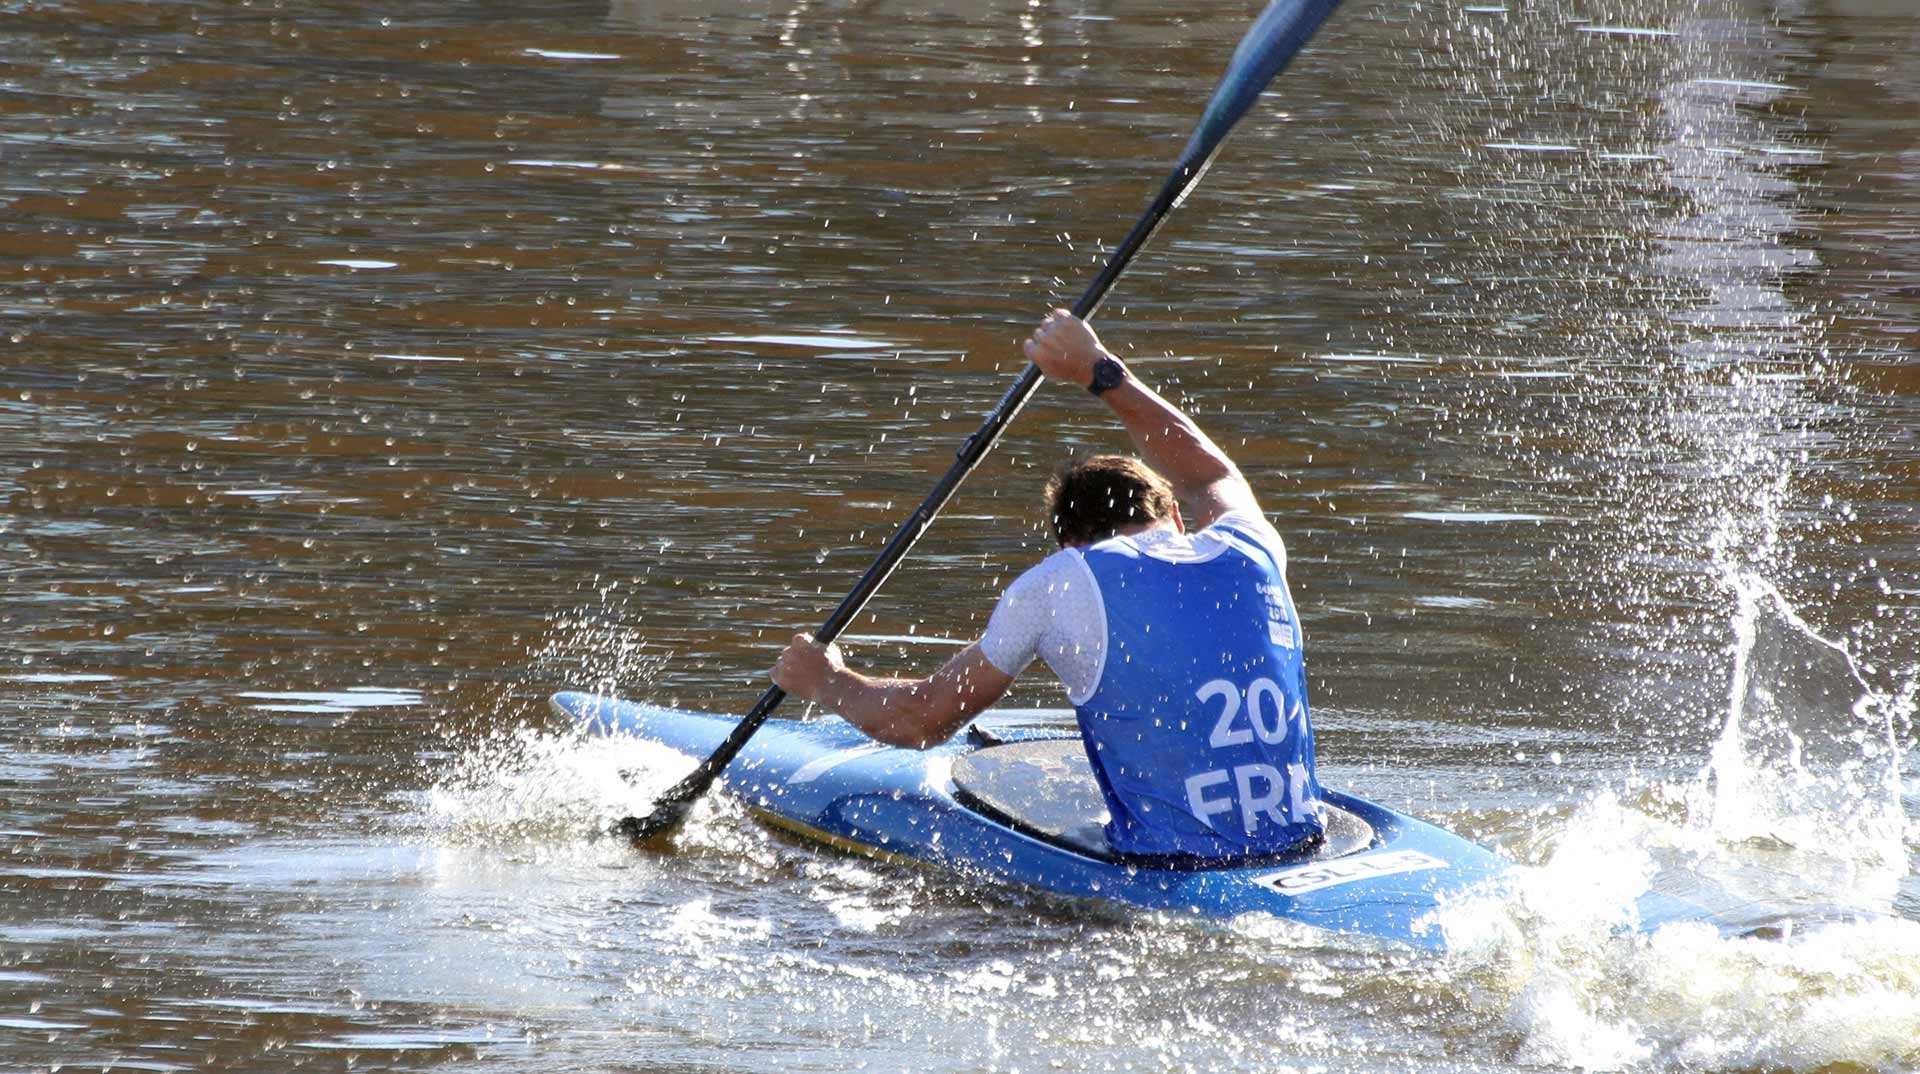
[{"x": 828, "y": 781}]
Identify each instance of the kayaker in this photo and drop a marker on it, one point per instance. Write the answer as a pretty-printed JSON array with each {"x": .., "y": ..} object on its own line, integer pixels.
[{"x": 1179, "y": 648}]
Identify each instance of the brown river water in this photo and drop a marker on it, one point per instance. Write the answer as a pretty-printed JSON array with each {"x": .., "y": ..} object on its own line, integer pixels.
[{"x": 368, "y": 372}]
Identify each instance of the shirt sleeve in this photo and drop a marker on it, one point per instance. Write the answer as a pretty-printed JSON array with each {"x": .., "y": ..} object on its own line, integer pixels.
[
  {"x": 1053, "y": 611},
  {"x": 1254, "y": 527},
  {"x": 1020, "y": 618}
]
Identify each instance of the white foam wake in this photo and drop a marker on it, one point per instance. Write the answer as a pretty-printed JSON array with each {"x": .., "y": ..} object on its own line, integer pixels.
[{"x": 1795, "y": 823}]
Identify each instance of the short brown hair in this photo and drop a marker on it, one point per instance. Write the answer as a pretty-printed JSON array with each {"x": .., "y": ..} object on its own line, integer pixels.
[{"x": 1095, "y": 498}]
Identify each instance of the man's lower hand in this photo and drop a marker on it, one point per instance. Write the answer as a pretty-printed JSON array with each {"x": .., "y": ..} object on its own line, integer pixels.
[{"x": 805, "y": 667}]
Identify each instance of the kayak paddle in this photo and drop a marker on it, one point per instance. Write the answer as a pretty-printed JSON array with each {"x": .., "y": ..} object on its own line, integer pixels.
[{"x": 1280, "y": 32}]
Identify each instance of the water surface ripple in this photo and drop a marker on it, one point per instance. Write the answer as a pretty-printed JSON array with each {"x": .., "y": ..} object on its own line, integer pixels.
[{"x": 367, "y": 372}]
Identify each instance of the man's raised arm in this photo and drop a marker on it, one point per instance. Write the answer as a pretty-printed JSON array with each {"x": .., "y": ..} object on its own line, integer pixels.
[{"x": 1206, "y": 481}]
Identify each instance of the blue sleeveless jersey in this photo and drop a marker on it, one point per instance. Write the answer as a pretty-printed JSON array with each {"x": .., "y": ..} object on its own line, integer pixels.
[{"x": 1198, "y": 730}]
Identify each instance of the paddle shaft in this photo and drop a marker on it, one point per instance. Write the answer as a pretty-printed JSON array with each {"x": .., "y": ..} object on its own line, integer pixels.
[
  {"x": 674, "y": 803},
  {"x": 1276, "y": 36}
]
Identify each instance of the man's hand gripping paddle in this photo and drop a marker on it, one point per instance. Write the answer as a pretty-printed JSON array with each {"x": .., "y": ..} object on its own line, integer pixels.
[{"x": 1280, "y": 32}]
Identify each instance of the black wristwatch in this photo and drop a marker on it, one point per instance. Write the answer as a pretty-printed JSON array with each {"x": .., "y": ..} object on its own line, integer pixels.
[{"x": 1108, "y": 374}]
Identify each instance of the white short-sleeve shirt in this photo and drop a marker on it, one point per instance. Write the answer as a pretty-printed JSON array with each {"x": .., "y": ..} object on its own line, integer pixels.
[{"x": 1054, "y": 610}]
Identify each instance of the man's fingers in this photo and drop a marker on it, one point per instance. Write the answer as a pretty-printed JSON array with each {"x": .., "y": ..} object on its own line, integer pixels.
[{"x": 785, "y": 655}]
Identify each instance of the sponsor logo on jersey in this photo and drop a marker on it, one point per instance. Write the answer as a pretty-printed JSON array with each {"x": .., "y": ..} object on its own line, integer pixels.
[{"x": 1280, "y": 629}]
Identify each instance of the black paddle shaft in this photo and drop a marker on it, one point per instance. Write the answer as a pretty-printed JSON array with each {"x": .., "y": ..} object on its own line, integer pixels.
[
  {"x": 1276, "y": 36},
  {"x": 672, "y": 806}
]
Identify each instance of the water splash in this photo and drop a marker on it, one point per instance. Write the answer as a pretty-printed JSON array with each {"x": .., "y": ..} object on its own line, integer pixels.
[
  {"x": 1807, "y": 765},
  {"x": 527, "y": 788},
  {"x": 595, "y": 643},
  {"x": 1579, "y": 994},
  {"x": 543, "y": 793},
  {"x": 532, "y": 787},
  {"x": 1794, "y": 832}
]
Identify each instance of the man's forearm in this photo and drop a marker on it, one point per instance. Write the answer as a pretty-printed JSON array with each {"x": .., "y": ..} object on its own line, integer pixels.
[
  {"x": 915, "y": 713},
  {"x": 1169, "y": 440},
  {"x": 891, "y": 710},
  {"x": 1207, "y": 483}
]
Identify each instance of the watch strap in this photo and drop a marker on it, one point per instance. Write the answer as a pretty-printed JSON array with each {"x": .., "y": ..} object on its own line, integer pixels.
[{"x": 1108, "y": 374}]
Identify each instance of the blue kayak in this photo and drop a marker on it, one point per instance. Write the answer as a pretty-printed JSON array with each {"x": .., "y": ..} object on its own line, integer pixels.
[{"x": 1023, "y": 809}]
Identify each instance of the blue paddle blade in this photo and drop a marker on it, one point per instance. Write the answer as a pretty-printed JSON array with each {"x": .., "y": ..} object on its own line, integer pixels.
[{"x": 1277, "y": 35}]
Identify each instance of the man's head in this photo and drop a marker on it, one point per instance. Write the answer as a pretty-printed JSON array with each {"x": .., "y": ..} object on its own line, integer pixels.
[{"x": 1095, "y": 498}]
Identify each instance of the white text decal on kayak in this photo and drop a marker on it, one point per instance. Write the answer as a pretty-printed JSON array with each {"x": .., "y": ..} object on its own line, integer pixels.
[
  {"x": 1305, "y": 878},
  {"x": 826, "y": 762}
]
